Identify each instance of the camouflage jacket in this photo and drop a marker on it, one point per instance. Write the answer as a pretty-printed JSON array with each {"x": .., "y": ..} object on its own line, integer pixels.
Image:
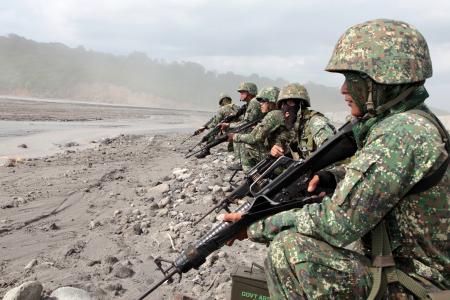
[
  {"x": 398, "y": 152},
  {"x": 224, "y": 111},
  {"x": 252, "y": 113},
  {"x": 311, "y": 130},
  {"x": 270, "y": 131}
]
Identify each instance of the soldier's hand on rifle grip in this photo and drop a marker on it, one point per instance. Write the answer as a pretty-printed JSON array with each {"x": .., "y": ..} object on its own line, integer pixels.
[
  {"x": 230, "y": 137},
  {"x": 234, "y": 217},
  {"x": 276, "y": 151},
  {"x": 323, "y": 180}
]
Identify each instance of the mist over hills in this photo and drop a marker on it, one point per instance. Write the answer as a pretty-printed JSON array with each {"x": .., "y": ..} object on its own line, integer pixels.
[{"x": 53, "y": 70}]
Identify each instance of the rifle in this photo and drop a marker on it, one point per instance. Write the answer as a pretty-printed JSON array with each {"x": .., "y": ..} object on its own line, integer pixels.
[
  {"x": 286, "y": 191},
  {"x": 224, "y": 137},
  {"x": 258, "y": 176}
]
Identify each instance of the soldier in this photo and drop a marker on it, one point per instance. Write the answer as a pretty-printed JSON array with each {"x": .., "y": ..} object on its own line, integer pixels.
[
  {"x": 395, "y": 192},
  {"x": 227, "y": 108},
  {"x": 257, "y": 144},
  {"x": 310, "y": 128},
  {"x": 247, "y": 91}
]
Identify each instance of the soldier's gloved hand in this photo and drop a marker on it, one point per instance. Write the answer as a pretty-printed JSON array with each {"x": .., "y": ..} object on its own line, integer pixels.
[
  {"x": 276, "y": 151},
  {"x": 230, "y": 137},
  {"x": 224, "y": 126},
  {"x": 200, "y": 130},
  {"x": 322, "y": 180},
  {"x": 234, "y": 217}
]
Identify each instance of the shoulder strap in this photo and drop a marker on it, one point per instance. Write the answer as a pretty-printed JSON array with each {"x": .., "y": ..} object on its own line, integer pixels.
[{"x": 384, "y": 271}]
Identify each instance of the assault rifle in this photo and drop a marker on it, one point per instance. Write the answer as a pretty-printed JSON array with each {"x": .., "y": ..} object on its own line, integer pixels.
[
  {"x": 284, "y": 192},
  {"x": 216, "y": 130},
  {"x": 257, "y": 177},
  {"x": 224, "y": 137}
]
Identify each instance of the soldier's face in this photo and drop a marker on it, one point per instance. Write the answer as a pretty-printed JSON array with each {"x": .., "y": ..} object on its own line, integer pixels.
[
  {"x": 265, "y": 106},
  {"x": 243, "y": 95},
  {"x": 354, "y": 109}
]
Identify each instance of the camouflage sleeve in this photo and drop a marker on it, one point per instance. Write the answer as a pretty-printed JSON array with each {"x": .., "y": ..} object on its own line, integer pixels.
[
  {"x": 253, "y": 112},
  {"x": 399, "y": 152},
  {"x": 321, "y": 129},
  {"x": 269, "y": 124},
  {"x": 216, "y": 119},
  {"x": 208, "y": 124}
]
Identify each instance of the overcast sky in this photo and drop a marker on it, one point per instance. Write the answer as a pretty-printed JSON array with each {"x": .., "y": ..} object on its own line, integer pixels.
[{"x": 292, "y": 39}]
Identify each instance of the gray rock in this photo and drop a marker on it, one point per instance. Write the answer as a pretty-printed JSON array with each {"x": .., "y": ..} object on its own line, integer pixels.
[
  {"x": 137, "y": 229},
  {"x": 163, "y": 202},
  {"x": 70, "y": 293},
  {"x": 23, "y": 146},
  {"x": 30, "y": 290},
  {"x": 121, "y": 271},
  {"x": 31, "y": 264},
  {"x": 110, "y": 260},
  {"x": 162, "y": 212},
  {"x": 158, "y": 190},
  {"x": 202, "y": 188}
]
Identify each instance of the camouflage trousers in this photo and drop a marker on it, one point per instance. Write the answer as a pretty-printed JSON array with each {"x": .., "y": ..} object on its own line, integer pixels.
[
  {"x": 248, "y": 155},
  {"x": 300, "y": 267}
]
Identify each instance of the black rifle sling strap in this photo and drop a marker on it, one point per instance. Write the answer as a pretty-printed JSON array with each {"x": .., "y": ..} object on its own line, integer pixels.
[{"x": 383, "y": 269}]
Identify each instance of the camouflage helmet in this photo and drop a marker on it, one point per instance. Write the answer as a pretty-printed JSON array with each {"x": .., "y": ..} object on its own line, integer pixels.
[
  {"x": 388, "y": 51},
  {"x": 222, "y": 97},
  {"x": 269, "y": 94},
  {"x": 294, "y": 91},
  {"x": 248, "y": 87}
]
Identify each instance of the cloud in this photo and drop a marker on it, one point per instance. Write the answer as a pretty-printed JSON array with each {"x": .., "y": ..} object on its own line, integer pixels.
[{"x": 285, "y": 38}]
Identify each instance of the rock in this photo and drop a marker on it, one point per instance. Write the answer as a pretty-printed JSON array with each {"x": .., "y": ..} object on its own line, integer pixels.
[
  {"x": 110, "y": 260},
  {"x": 114, "y": 286},
  {"x": 31, "y": 264},
  {"x": 53, "y": 226},
  {"x": 71, "y": 144},
  {"x": 117, "y": 212},
  {"x": 163, "y": 202},
  {"x": 94, "y": 224},
  {"x": 93, "y": 263},
  {"x": 137, "y": 229},
  {"x": 162, "y": 212},
  {"x": 216, "y": 189},
  {"x": 22, "y": 146},
  {"x": 30, "y": 290},
  {"x": 69, "y": 293},
  {"x": 158, "y": 190},
  {"x": 208, "y": 200},
  {"x": 177, "y": 171},
  {"x": 203, "y": 188},
  {"x": 121, "y": 271}
]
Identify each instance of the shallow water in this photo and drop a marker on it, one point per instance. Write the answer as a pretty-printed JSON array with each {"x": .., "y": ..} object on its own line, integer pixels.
[{"x": 48, "y": 137}]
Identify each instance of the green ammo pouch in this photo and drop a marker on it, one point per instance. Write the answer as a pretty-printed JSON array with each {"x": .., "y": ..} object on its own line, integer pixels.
[{"x": 249, "y": 283}]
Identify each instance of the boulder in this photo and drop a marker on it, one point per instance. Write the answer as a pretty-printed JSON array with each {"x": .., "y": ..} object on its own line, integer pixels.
[
  {"x": 30, "y": 290},
  {"x": 69, "y": 293}
]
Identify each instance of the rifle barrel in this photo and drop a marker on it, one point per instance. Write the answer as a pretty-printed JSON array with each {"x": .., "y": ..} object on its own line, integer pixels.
[{"x": 158, "y": 284}]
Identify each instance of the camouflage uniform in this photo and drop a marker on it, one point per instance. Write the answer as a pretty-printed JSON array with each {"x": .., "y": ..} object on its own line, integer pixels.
[
  {"x": 270, "y": 131},
  {"x": 397, "y": 148},
  {"x": 252, "y": 113},
  {"x": 224, "y": 111},
  {"x": 311, "y": 128}
]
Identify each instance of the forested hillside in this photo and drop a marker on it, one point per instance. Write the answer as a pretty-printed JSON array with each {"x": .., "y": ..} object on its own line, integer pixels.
[{"x": 53, "y": 70}]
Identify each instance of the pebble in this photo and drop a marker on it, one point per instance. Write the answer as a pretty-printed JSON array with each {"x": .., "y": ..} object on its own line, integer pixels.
[{"x": 31, "y": 264}]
